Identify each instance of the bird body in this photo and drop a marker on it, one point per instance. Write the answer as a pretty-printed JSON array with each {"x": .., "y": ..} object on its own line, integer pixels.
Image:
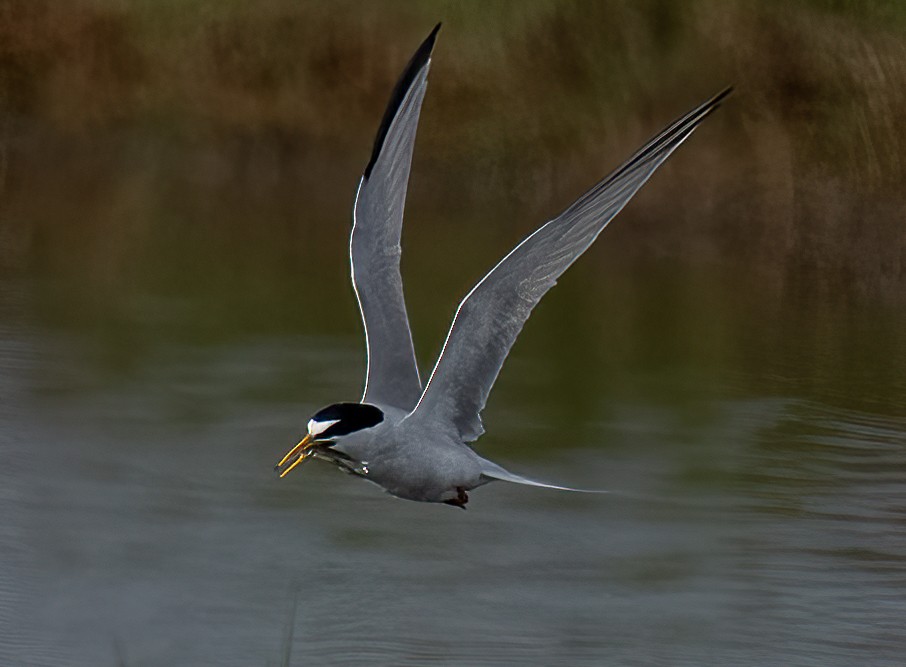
[
  {"x": 413, "y": 440},
  {"x": 411, "y": 461}
]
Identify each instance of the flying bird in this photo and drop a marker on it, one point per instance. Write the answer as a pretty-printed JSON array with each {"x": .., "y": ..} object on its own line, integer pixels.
[{"x": 410, "y": 438}]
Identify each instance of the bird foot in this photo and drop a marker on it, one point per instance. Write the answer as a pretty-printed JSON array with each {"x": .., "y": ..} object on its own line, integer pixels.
[{"x": 460, "y": 500}]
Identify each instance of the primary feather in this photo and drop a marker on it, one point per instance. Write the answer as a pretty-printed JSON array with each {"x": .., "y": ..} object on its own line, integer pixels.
[{"x": 491, "y": 316}]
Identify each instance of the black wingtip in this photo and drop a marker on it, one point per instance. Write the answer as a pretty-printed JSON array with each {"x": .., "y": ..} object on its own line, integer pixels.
[
  {"x": 714, "y": 103},
  {"x": 720, "y": 97},
  {"x": 433, "y": 35},
  {"x": 418, "y": 60}
]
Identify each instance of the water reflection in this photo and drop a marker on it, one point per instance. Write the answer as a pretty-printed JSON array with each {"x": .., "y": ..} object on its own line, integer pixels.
[{"x": 759, "y": 471}]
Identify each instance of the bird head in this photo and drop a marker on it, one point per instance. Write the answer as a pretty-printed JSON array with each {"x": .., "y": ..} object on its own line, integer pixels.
[{"x": 327, "y": 427}]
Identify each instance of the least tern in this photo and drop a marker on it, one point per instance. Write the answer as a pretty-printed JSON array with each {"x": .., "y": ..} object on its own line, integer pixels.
[{"x": 410, "y": 439}]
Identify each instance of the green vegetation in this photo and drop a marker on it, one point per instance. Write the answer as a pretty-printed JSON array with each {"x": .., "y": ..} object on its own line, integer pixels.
[{"x": 124, "y": 120}]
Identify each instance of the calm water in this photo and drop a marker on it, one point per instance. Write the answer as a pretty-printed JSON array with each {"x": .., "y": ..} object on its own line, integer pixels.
[
  {"x": 756, "y": 442},
  {"x": 158, "y": 353}
]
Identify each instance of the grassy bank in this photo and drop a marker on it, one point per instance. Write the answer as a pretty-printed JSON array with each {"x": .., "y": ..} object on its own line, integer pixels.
[{"x": 121, "y": 117}]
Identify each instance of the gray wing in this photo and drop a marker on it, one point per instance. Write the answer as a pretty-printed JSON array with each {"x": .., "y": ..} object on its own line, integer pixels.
[
  {"x": 493, "y": 313},
  {"x": 374, "y": 245}
]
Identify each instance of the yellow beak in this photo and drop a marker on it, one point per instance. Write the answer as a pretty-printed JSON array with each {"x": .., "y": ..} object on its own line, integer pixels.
[{"x": 301, "y": 451}]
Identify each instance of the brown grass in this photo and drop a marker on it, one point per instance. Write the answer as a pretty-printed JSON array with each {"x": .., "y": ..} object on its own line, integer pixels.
[{"x": 266, "y": 110}]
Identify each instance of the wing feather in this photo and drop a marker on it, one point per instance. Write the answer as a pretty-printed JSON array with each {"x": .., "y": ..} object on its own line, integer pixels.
[
  {"x": 493, "y": 313},
  {"x": 374, "y": 246}
]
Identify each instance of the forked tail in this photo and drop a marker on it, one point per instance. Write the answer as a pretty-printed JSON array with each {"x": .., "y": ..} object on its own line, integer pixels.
[{"x": 492, "y": 471}]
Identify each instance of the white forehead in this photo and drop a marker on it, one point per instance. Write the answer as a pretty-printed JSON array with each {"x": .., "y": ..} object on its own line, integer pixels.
[{"x": 316, "y": 428}]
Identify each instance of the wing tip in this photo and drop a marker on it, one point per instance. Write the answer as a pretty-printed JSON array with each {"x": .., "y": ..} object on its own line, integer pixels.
[
  {"x": 728, "y": 90},
  {"x": 419, "y": 59},
  {"x": 430, "y": 39},
  {"x": 714, "y": 103}
]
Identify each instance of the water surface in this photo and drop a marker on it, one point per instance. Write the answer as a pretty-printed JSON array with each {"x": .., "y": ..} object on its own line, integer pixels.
[{"x": 754, "y": 438}]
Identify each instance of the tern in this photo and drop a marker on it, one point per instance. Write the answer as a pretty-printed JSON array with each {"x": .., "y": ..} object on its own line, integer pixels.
[{"x": 413, "y": 440}]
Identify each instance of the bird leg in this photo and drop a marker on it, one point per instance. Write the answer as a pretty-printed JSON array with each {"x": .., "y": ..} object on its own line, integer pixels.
[{"x": 460, "y": 500}]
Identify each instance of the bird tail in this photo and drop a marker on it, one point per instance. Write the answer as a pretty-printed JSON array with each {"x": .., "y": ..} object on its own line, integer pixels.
[{"x": 491, "y": 471}]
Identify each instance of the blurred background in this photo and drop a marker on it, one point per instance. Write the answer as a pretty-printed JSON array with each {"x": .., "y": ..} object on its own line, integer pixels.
[{"x": 176, "y": 183}]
